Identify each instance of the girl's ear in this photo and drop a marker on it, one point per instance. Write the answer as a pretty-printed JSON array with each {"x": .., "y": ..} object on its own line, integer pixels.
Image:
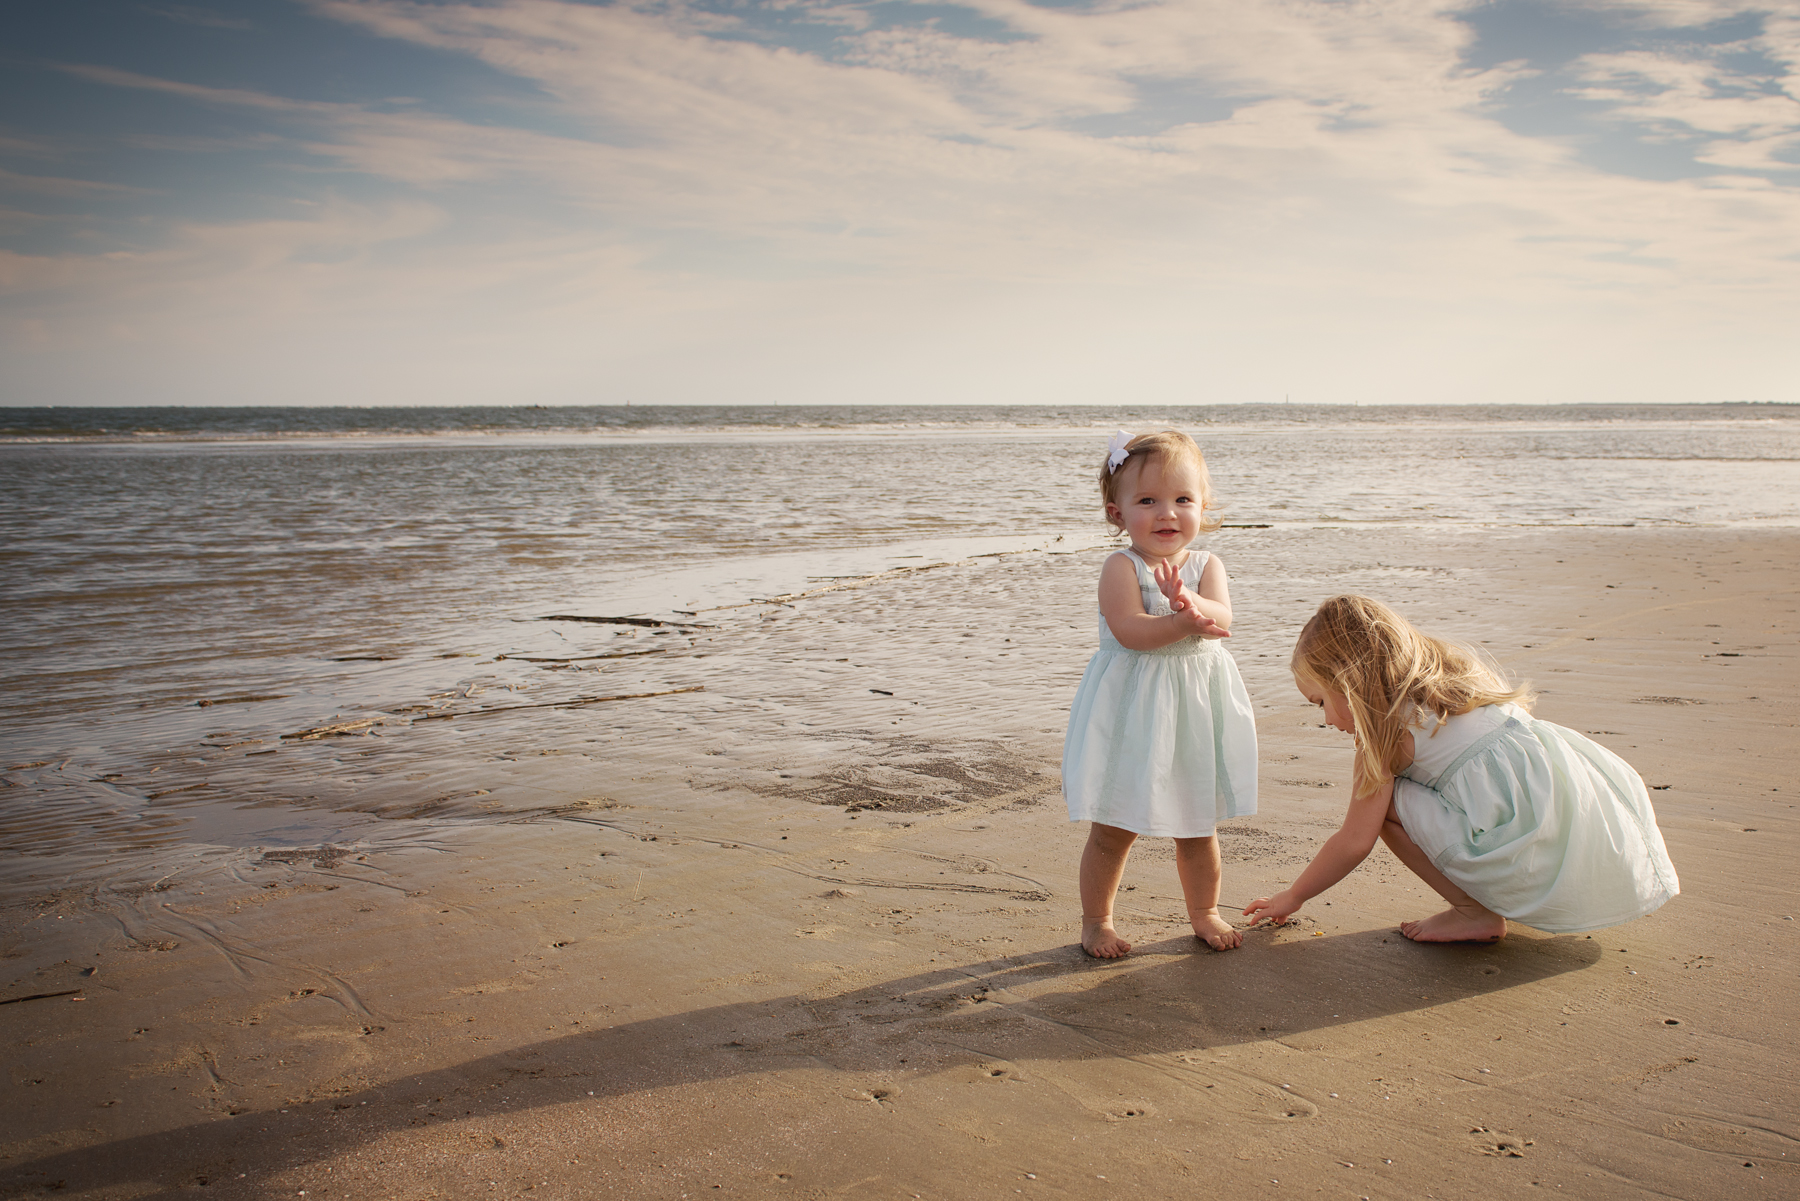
[{"x": 1115, "y": 515}]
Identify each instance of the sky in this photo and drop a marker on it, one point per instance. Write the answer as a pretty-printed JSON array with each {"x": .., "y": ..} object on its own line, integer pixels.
[{"x": 838, "y": 202}]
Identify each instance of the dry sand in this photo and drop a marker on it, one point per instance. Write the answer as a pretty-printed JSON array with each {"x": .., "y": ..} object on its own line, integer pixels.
[{"x": 796, "y": 937}]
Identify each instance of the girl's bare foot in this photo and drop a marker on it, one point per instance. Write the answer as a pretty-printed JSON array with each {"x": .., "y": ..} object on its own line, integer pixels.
[
  {"x": 1457, "y": 925},
  {"x": 1100, "y": 940},
  {"x": 1216, "y": 932}
]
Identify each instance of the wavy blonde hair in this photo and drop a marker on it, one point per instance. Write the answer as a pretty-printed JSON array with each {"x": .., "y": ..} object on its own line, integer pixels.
[
  {"x": 1383, "y": 666},
  {"x": 1174, "y": 446}
]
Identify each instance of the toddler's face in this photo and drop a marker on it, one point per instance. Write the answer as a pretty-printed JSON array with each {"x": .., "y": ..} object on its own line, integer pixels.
[
  {"x": 1336, "y": 707},
  {"x": 1159, "y": 505}
]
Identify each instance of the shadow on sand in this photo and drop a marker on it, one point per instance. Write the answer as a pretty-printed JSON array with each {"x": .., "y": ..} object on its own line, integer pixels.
[{"x": 1053, "y": 1005}]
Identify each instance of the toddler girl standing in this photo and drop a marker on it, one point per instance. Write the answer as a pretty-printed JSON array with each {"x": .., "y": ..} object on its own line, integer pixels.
[
  {"x": 1505, "y": 816},
  {"x": 1161, "y": 736}
]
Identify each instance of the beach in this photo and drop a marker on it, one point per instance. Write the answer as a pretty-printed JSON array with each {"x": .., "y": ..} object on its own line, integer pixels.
[
  {"x": 548, "y": 549},
  {"x": 807, "y": 927}
]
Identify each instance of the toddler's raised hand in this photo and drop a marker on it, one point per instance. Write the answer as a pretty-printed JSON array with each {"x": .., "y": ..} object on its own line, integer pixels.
[
  {"x": 1184, "y": 604},
  {"x": 1168, "y": 578}
]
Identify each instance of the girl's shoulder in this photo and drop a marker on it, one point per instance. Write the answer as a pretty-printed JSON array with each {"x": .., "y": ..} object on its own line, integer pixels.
[
  {"x": 1453, "y": 724},
  {"x": 1121, "y": 570},
  {"x": 1124, "y": 559}
]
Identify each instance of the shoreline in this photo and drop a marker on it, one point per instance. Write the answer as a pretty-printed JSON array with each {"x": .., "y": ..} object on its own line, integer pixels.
[
  {"x": 810, "y": 930},
  {"x": 690, "y": 435},
  {"x": 647, "y": 424}
]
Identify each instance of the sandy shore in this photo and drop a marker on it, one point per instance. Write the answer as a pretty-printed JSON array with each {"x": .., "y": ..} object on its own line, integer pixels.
[{"x": 810, "y": 932}]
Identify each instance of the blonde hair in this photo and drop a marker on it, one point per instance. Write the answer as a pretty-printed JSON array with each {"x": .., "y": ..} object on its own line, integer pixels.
[
  {"x": 1384, "y": 666},
  {"x": 1172, "y": 446}
]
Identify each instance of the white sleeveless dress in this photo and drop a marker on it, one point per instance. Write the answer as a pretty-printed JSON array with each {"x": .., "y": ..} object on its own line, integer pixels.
[
  {"x": 1160, "y": 742},
  {"x": 1534, "y": 821}
]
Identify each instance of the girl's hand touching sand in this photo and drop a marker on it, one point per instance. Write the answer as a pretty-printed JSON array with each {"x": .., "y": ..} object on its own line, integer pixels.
[{"x": 1278, "y": 908}]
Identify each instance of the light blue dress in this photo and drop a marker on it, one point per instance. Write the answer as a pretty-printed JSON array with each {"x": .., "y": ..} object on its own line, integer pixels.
[
  {"x": 1160, "y": 742},
  {"x": 1534, "y": 821}
]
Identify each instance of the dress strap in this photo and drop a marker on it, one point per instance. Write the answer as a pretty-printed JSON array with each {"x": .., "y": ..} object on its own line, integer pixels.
[{"x": 1144, "y": 578}]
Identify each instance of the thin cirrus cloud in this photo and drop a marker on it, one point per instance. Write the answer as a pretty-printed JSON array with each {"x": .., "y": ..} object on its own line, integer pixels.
[{"x": 542, "y": 200}]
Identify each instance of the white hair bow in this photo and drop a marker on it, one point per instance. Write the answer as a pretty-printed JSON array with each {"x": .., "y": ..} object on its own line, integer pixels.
[{"x": 1116, "y": 452}]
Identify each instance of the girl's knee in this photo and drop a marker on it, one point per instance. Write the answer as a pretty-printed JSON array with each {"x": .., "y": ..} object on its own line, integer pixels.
[{"x": 1110, "y": 838}]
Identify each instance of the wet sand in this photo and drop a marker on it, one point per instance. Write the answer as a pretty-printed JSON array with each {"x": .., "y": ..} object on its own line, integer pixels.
[{"x": 811, "y": 932}]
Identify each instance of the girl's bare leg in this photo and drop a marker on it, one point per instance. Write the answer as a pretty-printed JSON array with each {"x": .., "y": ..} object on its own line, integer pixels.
[
  {"x": 1197, "y": 861},
  {"x": 1102, "y": 867},
  {"x": 1467, "y": 920}
]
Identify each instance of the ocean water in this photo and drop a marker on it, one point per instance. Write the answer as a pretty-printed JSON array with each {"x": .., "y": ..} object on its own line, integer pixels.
[{"x": 154, "y": 562}]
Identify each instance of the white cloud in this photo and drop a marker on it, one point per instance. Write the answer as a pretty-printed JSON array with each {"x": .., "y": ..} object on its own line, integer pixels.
[
  {"x": 917, "y": 215},
  {"x": 50, "y": 185},
  {"x": 1673, "y": 14},
  {"x": 1754, "y": 120},
  {"x": 931, "y": 138},
  {"x": 236, "y": 97}
]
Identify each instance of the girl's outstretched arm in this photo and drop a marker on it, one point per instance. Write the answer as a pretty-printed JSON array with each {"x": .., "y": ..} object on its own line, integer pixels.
[{"x": 1335, "y": 860}]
